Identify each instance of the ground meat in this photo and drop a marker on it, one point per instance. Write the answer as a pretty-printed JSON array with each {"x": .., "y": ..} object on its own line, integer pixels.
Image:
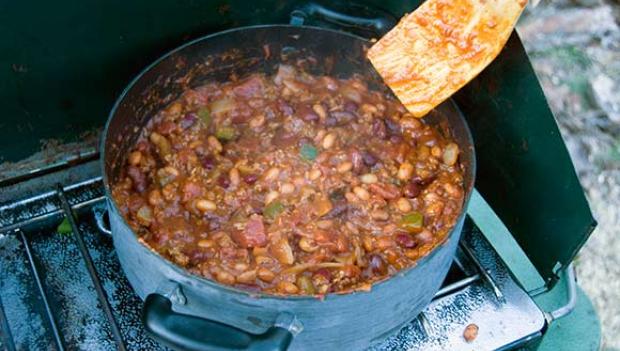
[{"x": 291, "y": 184}]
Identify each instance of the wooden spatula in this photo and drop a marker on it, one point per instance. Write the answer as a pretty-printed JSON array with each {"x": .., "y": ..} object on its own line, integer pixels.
[{"x": 438, "y": 48}]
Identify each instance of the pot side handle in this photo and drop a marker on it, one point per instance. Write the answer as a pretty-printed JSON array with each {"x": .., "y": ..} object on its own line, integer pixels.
[
  {"x": 364, "y": 20},
  {"x": 185, "y": 332}
]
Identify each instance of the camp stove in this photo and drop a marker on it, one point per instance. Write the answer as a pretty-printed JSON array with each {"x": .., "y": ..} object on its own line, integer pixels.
[{"x": 62, "y": 287}]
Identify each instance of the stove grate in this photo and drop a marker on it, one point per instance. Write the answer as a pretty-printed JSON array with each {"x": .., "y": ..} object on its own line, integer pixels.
[
  {"x": 58, "y": 338},
  {"x": 79, "y": 240}
]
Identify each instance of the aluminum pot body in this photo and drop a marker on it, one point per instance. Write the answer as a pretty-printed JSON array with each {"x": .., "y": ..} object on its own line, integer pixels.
[{"x": 339, "y": 321}]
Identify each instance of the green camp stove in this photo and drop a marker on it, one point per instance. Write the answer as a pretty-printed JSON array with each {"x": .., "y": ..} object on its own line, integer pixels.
[{"x": 62, "y": 66}]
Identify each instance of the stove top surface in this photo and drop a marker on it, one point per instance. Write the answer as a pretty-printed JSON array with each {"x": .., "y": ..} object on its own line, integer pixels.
[{"x": 48, "y": 299}]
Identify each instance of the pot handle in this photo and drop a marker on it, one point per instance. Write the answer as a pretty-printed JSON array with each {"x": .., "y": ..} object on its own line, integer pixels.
[
  {"x": 364, "y": 20},
  {"x": 185, "y": 332}
]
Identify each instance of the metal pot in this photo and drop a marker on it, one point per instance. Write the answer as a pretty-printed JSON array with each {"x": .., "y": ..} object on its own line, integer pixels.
[{"x": 189, "y": 312}]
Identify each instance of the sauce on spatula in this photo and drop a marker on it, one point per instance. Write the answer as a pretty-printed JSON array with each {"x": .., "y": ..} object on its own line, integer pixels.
[{"x": 438, "y": 48}]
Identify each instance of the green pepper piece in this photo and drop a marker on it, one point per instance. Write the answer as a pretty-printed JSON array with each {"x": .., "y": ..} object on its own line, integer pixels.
[
  {"x": 272, "y": 210},
  {"x": 412, "y": 222},
  {"x": 308, "y": 152},
  {"x": 205, "y": 115},
  {"x": 64, "y": 227},
  {"x": 225, "y": 133}
]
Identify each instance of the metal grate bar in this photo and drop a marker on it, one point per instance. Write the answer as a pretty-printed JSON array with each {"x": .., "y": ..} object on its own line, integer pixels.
[
  {"x": 5, "y": 331},
  {"x": 485, "y": 274},
  {"x": 60, "y": 343},
  {"x": 105, "y": 304},
  {"x": 448, "y": 289},
  {"x": 50, "y": 214},
  {"x": 460, "y": 258}
]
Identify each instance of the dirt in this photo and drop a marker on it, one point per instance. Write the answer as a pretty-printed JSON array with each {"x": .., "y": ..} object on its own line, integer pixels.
[
  {"x": 53, "y": 153},
  {"x": 575, "y": 49}
]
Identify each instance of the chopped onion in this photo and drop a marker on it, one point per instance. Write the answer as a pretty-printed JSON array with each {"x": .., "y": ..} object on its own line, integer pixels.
[
  {"x": 351, "y": 94},
  {"x": 282, "y": 251},
  {"x": 313, "y": 266},
  {"x": 221, "y": 106}
]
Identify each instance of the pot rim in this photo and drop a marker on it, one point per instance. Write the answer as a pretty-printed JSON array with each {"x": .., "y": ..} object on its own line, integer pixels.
[{"x": 230, "y": 289}]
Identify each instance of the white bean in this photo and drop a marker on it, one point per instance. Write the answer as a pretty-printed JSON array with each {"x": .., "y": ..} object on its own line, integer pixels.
[{"x": 368, "y": 178}]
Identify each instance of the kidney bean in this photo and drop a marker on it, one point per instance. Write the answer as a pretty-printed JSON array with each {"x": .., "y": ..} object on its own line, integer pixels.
[
  {"x": 411, "y": 189},
  {"x": 330, "y": 121},
  {"x": 223, "y": 181},
  {"x": 285, "y": 108},
  {"x": 196, "y": 256},
  {"x": 208, "y": 162},
  {"x": 392, "y": 126},
  {"x": 306, "y": 113},
  {"x": 357, "y": 159},
  {"x": 250, "y": 178},
  {"x": 422, "y": 182},
  {"x": 369, "y": 159},
  {"x": 396, "y": 138},
  {"x": 350, "y": 106},
  {"x": 377, "y": 264},
  {"x": 379, "y": 129},
  {"x": 343, "y": 117},
  {"x": 282, "y": 138},
  {"x": 137, "y": 177},
  {"x": 188, "y": 120},
  {"x": 405, "y": 240}
]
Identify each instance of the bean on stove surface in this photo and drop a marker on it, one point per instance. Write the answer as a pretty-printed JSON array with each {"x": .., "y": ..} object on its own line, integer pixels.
[{"x": 291, "y": 184}]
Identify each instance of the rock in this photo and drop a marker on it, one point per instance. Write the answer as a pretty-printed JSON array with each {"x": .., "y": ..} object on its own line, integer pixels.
[
  {"x": 550, "y": 27},
  {"x": 605, "y": 91}
]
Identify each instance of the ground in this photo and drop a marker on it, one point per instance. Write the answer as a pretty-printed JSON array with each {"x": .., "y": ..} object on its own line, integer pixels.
[{"x": 575, "y": 49}]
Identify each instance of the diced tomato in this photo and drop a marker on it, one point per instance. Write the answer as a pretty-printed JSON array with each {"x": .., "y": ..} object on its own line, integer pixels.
[
  {"x": 166, "y": 127},
  {"x": 251, "y": 87},
  {"x": 135, "y": 202},
  {"x": 386, "y": 191},
  {"x": 191, "y": 190},
  {"x": 322, "y": 236},
  {"x": 253, "y": 234}
]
